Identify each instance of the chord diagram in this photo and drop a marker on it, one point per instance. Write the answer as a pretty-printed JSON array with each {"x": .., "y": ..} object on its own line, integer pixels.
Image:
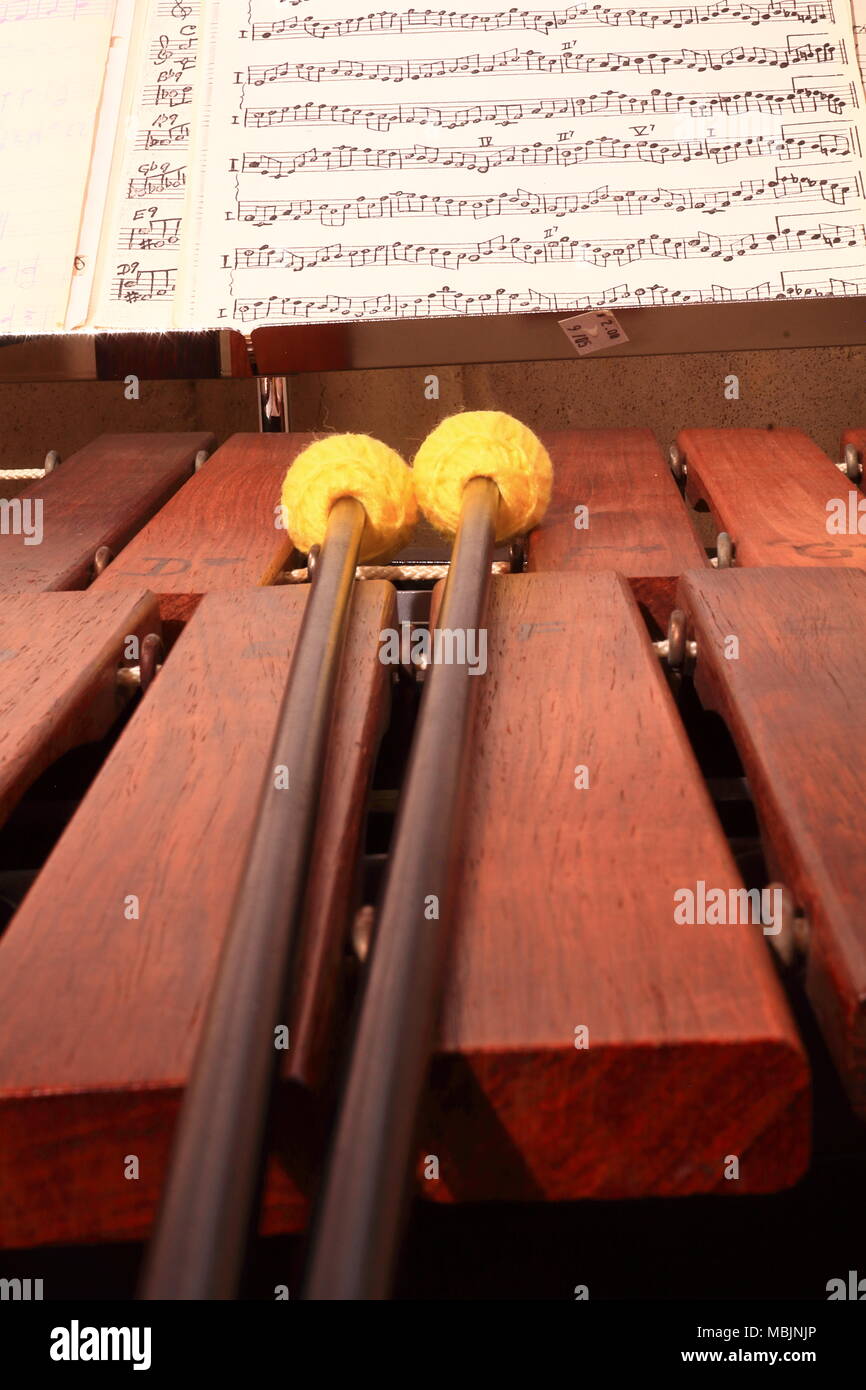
[
  {"x": 132, "y": 283},
  {"x": 153, "y": 235},
  {"x": 170, "y": 96},
  {"x": 163, "y": 137},
  {"x": 157, "y": 179}
]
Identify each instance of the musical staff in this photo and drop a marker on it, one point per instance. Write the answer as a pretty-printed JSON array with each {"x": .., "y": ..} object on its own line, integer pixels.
[
  {"x": 162, "y": 137},
  {"x": 521, "y": 202},
  {"x": 152, "y": 235},
  {"x": 164, "y": 95},
  {"x": 157, "y": 179},
  {"x": 559, "y": 250},
  {"x": 454, "y": 115},
  {"x": 447, "y": 303},
  {"x": 542, "y": 21},
  {"x": 557, "y": 156},
  {"x": 515, "y": 61},
  {"x": 27, "y": 11}
]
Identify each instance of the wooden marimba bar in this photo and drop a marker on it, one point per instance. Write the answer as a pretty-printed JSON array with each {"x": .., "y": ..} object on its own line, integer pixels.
[{"x": 590, "y": 1045}]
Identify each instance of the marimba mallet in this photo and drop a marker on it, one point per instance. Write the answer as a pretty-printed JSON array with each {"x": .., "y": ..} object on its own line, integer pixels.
[
  {"x": 354, "y": 497},
  {"x": 483, "y": 477}
]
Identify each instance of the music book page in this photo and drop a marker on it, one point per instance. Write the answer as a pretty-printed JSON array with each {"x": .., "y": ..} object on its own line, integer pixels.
[
  {"x": 143, "y": 235},
  {"x": 425, "y": 162},
  {"x": 53, "y": 55}
]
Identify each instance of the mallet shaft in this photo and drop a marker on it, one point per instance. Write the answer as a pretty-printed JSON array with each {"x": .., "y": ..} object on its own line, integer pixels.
[
  {"x": 210, "y": 1201},
  {"x": 359, "y": 1218}
]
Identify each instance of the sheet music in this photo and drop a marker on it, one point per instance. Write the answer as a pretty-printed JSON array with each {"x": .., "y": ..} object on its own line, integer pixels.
[
  {"x": 143, "y": 238},
  {"x": 421, "y": 163},
  {"x": 52, "y": 62}
]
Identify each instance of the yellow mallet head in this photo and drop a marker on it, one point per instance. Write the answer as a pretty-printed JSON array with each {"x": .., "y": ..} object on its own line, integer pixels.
[
  {"x": 483, "y": 444},
  {"x": 350, "y": 465}
]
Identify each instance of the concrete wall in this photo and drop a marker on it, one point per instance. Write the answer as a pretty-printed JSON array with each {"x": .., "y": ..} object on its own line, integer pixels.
[{"x": 818, "y": 390}]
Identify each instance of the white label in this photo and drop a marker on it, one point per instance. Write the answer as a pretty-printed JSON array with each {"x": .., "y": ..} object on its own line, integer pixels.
[{"x": 589, "y": 332}]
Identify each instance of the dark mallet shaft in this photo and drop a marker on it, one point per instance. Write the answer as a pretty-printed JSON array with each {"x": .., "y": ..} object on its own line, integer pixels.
[
  {"x": 359, "y": 1218},
  {"x": 209, "y": 1204}
]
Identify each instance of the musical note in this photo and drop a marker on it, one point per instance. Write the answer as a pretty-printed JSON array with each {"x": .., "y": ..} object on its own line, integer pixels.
[
  {"x": 515, "y": 60},
  {"x": 559, "y": 155},
  {"x": 446, "y": 302},
  {"x": 522, "y": 202},
  {"x": 543, "y": 21},
  {"x": 453, "y": 115},
  {"x": 554, "y": 250}
]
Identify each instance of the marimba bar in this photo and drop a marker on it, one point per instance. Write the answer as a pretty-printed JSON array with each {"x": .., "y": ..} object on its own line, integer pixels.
[
  {"x": 97, "y": 498},
  {"x": 221, "y": 531},
  {"x": 769, "y": 490},
  {"x": 615, "y": 506},
  {"x": 595, "y": 1047},
  {"x": 59, "y": 659},
  {"x": 590, "y": 1045},
  {"x": 794, "y": 698},
  {"x": 167, "y": 822}
]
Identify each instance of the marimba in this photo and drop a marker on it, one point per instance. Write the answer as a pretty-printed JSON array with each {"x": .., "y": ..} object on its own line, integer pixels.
[{"x": 592, "y": 1043}]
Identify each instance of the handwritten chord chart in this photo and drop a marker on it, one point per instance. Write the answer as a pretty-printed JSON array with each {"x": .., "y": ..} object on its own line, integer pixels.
[
  {"x": 164, "y": 95},
  {"x": 152, "y": 235},
  {"x": 134, "y": 283},
  {"x": 148, "y": 212},
  {"x": 677, "y": 138},
  {"x": 163, "y": 136}
]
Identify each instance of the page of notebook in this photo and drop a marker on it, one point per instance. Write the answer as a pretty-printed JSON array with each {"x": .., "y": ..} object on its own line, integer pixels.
[
  {"x": 143, "y": 229},
  {"x": 859, "y": 11},
  {"x": 416, "y": 163},
  {"x": 52, "y": 62},
  {"x": 109, "y": 122}
]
